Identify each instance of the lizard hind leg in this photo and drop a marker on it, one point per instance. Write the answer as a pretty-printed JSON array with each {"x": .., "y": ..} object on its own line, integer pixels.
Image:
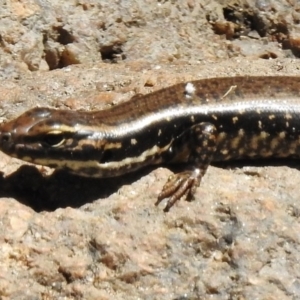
[{"x": 200, "y": 139}]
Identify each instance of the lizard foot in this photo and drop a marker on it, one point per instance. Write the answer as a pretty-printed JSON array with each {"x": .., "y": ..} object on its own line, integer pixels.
[{"x": 179, "y": 185}]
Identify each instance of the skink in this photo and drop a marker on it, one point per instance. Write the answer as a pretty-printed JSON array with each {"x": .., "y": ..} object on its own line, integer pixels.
[{"x": 196, "y": 123}]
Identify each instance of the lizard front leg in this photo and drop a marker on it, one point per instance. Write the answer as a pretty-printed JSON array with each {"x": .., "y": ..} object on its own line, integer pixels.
[{"x": 201, "y": 140}]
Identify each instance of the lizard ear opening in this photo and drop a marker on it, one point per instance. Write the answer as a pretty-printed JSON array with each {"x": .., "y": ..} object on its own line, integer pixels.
[{"x": 107, "y": 156}]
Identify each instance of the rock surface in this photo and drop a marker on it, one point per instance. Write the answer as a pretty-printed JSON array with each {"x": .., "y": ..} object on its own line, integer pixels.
[{"x": 64, "y": 237}]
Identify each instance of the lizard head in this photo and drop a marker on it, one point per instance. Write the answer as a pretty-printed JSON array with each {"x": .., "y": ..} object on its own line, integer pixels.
[{"x": 54, "y": 138}]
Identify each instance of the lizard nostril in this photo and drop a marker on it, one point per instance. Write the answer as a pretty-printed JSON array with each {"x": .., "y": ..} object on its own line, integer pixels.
[{"x": 5, "y": 137}]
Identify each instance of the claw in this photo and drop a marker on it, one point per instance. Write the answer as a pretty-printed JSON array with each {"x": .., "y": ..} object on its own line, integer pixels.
[{"x": 179, "y": 185}]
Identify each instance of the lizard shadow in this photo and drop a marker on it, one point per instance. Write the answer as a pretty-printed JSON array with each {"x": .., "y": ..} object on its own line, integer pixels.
[
  {"x": 267, "y": 162},
  {"x": 62, "y": 189}
]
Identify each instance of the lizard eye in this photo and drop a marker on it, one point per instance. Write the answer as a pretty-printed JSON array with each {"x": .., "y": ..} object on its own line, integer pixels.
[{"x": 54, "y": 139}]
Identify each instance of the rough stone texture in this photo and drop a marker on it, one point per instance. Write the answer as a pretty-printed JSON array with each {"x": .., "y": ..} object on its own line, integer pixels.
[
  {"x": 43, "y": 35},
  {"x": 64, "y": 237}
]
